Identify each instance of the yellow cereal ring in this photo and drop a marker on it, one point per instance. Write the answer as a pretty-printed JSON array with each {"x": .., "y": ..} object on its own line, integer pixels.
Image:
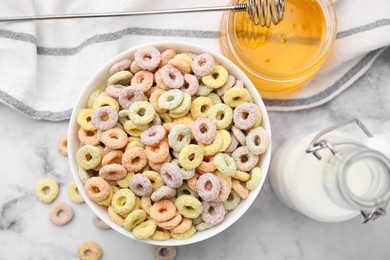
[
  {"x": 134, "y": 218},
  {"x": 177, "y": 115},
  {"x": 137, "y": 204},
  {"x": 242, "y": 176},
  {"x": 89, "y": 251},
  {"x": 146, "y": 203},
  {"x": 145, "y": 229},
  {"x": 189, "y": 151},
  {"x": 184, "y": 57},
  {"x": 123, "y": 201},
  {"x": 124, "y": 183},
  {"x": 254, "y": 179},
  {"x": 93, "y": 97},
  {"x": 236, "y": 96},
  {"x": 227, "y": 178},
  {"x": 189, "y": 233},
  {"x": 200, "y": 107},
  {"x": 165, "y": 117},
  {"x": 214, "y": 147},
  {"x": 155, "y": 179},
  {"x": 259, "y": 118},
  {"x": 189, "y": 206},
  {"x": 226, "y": 139},
  {"x": 217, "y": 77},
  {"x": 115, "y": 217},
  {"x": 161, "y": 235},
  {"x": 88, "y": 157},
  {"x": 120, "y": 78},
  {"x": 107, "y": 201},
  {"x": 84, "y": 119},
  {"x": 130, "y": 125},
  {"x": 106, "y": 101},
  {"x": 74, "y": 194},
  {"x": 49, "y": 185},
  {"x": 134, "y": 142}
]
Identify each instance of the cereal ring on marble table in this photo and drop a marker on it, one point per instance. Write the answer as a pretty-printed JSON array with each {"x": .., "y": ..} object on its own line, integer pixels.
[
  {"x": 215, "y": 98},
  {"x": 84, "y": 119},
  {"x": 123, "y": 201},
  {"x": 155, "y": 179},
  {"x": 120, "y": 78},
  {"x": 225, "y": 164},
  {"x": 165, "y": 118},
  {"x": 119, "y": 66},
  {"x": 214, "y": 147},
  {"x": 245, "y": 116},
  {"x": 186, "y": 190},
  {"x": 140, "y": 185},
  {"x": 73, "y": 193},
  {"x": 188, "y": 206},
  {"x": 129, "y": 95},
  {"x": 159, "y": 152},
  {"x": 204, "y": 130},
  {"x": 157, "y": 166},
  {"x": 164, "y": 192},
  {"x": 203, "y": 64},
  {"x": 92, "y": 97},
  {"x": 83, "y": 174},
  {"x": 114, "y": 90},
  {"x": 104, "y": 118},
  {"x": 148, "y": 58},
  {"x": 183, "y": 108},
  {"x": 233, "y": 144},
  {"x": 114, "y": 156},
  {"x": 89, "y": 251},
  {"x": 171, "y": 223},
  {"x": 186, "y": 235},
  {"x": 208, "y": 187},
  {"x": 240, "y": 136},
  {"x": 134, "y": 159},
  {"x": 180, "y": 65},
  {"x": 203, "y": 226},
  {"x": 145, "y": 229},
  {"x": 115, "y": 217},
  {"x": 207, "y": 165},
  {"x": 99, "y": 223},
  {"x": 134, "y": 67},
  {"x": 216, "y": 78},
  {"x": 87, "y": 137},
  {"x": 186, "y": 174},
  {"x": 191, "y": 84},
  {"x": 48, "y": 185},
  {"x": 171, "y": 99},
  {"x": 226, "y": 139},
  {"x": 164, "y": 252},
  {"x": 153, "y": 135},
  {"x": 113, "y": 172},
  {"x": 146, "y": 204},
  {"x": 171, "y": 175},
  {"x": 115, "y": 138},
  {"x": 88, "y": 157},
  {"x": 225, "y": 190},
  {"x": 240, "y": 189},
  {"x": 62, "y": 145},
  {"x": 236, "y": 96},
  {"x": 179, "y": 137},
  {"x": 161, "y": 235},
  {"x": 183, "y": 226},
  {"x": 167, "y": 55},
  {"x": 203, "y": 90},
  {"x": 255, "y": 178},
  {"x": 245, "y": 160},
  {"x": 97, "y": 189},
  {"x": 143, "y": 79},
  {"x": 242, "y": 176},
  {"x": 221, "y": 115},
  {"x": 218, "y": 212},
  {"x": 191, "y": 156},
  {"x": 141, "y": 112},
  {"x": 171, "y": 76},
  {"x": 154, "y": 100},
  {"x": 163, "y": 210},
  {"x": 192, "y": 182},
  {"x": 200, "y": 107},
  {"x": 258, "y": 140},
  {"x": 228, "y": 85},
  {"x": 106, "y": 101},
  {"x": 135, "y": 218},
  {"x": 60, "y": 214}
]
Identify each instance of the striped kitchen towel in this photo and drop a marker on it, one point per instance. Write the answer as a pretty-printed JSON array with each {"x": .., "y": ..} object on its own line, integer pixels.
[{"x": 45, "y": 64}]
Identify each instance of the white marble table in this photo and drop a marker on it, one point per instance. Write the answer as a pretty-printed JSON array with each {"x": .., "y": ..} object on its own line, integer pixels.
[{"x": 269, "y": 230}]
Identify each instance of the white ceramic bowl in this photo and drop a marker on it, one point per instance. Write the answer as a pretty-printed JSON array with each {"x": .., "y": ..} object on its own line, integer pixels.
[{"x": 100, "y": 77}]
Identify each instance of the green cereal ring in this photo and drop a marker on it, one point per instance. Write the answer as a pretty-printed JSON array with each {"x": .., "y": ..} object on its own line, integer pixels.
[
  {"x": 232, "y": 201},
  {"x": 123, "y": 201},
  {"x": 145, "y": 229},
  {"x": 120, "y": 78},
  {"x": 189, "y": 206},
  {"x": 185, "y": 105},
  {"x": 134, "y": 219},
  {"x": 214, "y": 147},
  {"x": 241, "y": 176},
  {"x": 106, "y": 101},
  {"x": 88, "y": 157},
  {"x": 191, "y": 157},
  {"x": 197, "y": 220},
  {"x": 225, "y": 164},
  {"x": 203, "y": 226},
  {"x": 185, "y": 120},
  {"x": 52, "y": 190},
  {"x": 203, "y": 90},
  {"x": 254, "y": 179},
  {"x": 217, "y": 77},
  {"x": 170, "y": 99},
  {"x": 74, "y": 194},
  {"x": 179, "y": 137},
  {"x": 83, "y": 175},
  {"x": 236, "y": 96},
  {"x": 84, "y": 119},
  {"x": 189, "y": 233},
  {"x": 221, "y": 115},
  {"x": 141, "y": 112},
  {"x": 200, "y": 107},
  {"x": 226, "y": 139},
  {"x": 93, "y": 97},
  {"x": 215, "y": 98},
  {"x": 186, "y": 174},
  {"x": 186, "y": 190}
]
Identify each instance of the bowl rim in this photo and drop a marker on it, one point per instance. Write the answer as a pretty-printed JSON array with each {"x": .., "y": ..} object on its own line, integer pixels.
[{"x": 91, "y": 85}]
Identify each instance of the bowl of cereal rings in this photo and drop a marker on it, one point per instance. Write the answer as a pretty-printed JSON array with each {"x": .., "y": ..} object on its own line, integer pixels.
[{"x": 169, "y": 143}]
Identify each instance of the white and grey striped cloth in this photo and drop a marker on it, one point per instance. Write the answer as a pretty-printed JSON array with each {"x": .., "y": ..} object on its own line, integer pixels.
[{"x": 45, "y": 64}]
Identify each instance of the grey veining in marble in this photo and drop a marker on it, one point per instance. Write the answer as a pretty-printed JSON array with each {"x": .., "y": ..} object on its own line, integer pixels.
[{"x": 269, "y": 230}]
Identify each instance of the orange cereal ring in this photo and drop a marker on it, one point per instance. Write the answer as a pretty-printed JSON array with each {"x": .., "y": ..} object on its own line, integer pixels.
[
  {"x": 225, "y": 190},
  {"x": 97, "y": 188},
  {"x": 146, "y": 204},
  {"x": 154, "y": 100},
  {"x": 192, "y": 182},
  {"x": 114, "y": 156},
  {"x": 166, "y": 55},
  {"x": 184, "y": 225},
  {"x": 87, "y": 137},
  {"x": 240, "y": 189},
  {"x": 172, "y": 223},
  {"x": 134, "y": 67},
  {"x": 163, "y": 210},
  {"x": 134, "y": 159},
  {"x": 160, "y": 83},
  {"x": 159, "y": 152},
  {"x": 181, "y": 65},
  {"x": 207, "y": 165},
  {"x": 143, "y": 79},
  {"x": 168, "y": 127},
  {"x": 115, "y": 138},
  {"x": 150, "y": 91},
  {"x": 62, "y": 145},
  {"x": 157, "y": 166},
  {"x": 113, "y": 172},
  {"x": 118, "y": 219}
]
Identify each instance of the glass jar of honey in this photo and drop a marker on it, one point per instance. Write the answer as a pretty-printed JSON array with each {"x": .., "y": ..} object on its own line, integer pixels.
[{"x": 285, "y": 56}]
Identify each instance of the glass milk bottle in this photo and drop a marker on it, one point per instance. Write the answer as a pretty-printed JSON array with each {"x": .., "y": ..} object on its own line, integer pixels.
[{"x": 331, "y": 177}]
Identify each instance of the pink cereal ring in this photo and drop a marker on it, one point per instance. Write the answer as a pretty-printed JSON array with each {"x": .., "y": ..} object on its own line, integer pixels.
[
  {"x": 129, "y": 95},
  {"x": 143, "y": 79},
  {"x": 225, "y": 190},
  {"x": 119, "y": 66},
  {"x": 113, "y": 172},
  {"x": 97, "y": 188},
  {"x": 114, "y": 90},
  {"x": 60, "y": 213},
  {"x": 115, "y": 138},
  {"x": 191, "y": 84},
  {"x": 148, "y": 58},
  {"x": 203, "y": 64},
  {"x": 104, "y": 118},
  {"x": 87, "y": 137},
  {"x": 233, "y": 145},
  {"x": 245, "y": 116},
  {"x": 204, "y": 130},
  {"x": 171, "y": 175},
  {"x": 141, "y": 185},
  {"x": 134, "y": 67},
  {"x": 153, "y": 135},
  {"x": 208, "y": 186},
  {"x": 213, "y": 218},
  {"x": 159, "y": 82},
  {"x": 171, "y": 76}
]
